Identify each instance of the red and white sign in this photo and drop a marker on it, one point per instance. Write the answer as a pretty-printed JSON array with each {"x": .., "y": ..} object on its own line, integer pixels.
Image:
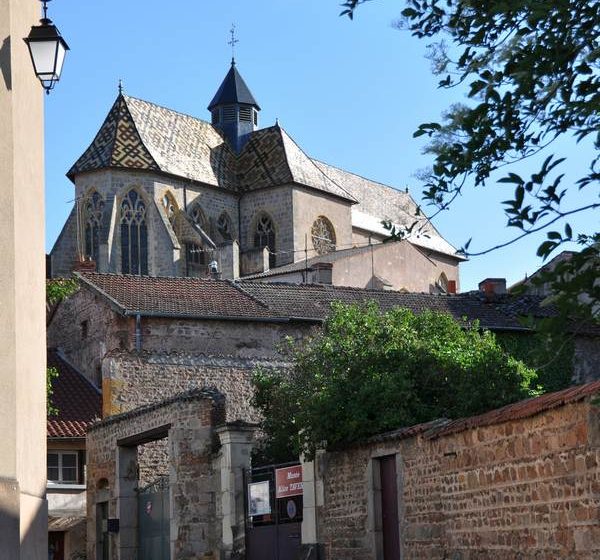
[{"x": 288, "y": 482}]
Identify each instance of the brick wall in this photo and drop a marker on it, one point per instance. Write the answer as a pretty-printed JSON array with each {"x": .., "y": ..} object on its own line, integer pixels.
[{"x": 523, "y": 488}]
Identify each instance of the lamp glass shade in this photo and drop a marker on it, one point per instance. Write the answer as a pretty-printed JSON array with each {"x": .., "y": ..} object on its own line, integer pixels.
[{"x": 47, "y": 49}]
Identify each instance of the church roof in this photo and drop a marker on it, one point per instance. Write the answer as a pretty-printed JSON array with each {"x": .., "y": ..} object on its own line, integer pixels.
[
  {"x": 141, "y": 135},
  {"x": 233, "y": 90},
  {"x": 272, "y": 158},
  {"x": 138, "y": 134},
  {"x": 378, "y": 202}
]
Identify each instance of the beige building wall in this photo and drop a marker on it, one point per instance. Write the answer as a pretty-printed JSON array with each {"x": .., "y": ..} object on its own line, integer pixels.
[
  {"x": 308, "y": 206},
  {"x": 23, "y": 511}
]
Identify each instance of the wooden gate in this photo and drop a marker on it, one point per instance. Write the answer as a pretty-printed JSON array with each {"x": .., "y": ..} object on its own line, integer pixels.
[
  {"x": 154, "y": 520},
  {"x": 273, "y": 512}
]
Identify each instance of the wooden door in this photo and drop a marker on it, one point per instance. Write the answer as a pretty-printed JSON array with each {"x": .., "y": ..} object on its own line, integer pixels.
[{"x": 389, "y": 508}]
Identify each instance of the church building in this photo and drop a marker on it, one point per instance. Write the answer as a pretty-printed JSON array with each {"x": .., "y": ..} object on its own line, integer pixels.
[{"x": 160, "y": 193}]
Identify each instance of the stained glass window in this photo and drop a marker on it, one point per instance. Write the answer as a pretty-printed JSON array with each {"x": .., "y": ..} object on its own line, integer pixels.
[
  {"x": 93, "y": 208},
  {"x": 134, "y": 235}
]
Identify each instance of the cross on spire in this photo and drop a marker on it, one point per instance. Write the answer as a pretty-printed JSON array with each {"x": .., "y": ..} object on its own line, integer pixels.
[{"x": 232, "y": 42}]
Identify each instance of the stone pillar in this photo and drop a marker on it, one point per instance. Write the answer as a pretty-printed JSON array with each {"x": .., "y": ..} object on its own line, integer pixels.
[
  {"x": 23, "y": 509},
  {"x": 230, "y": 260},
  {"x": 127, "y": 478},
  {"x": 312, "y": 498},
  {"x": 236, "y": 448}
]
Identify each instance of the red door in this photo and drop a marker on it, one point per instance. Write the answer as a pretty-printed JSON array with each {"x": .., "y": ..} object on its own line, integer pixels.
[{"x": 389, "y": 508}]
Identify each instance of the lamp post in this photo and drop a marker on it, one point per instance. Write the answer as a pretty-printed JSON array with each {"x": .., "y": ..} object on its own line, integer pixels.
[{"x": 47, "y": 49}]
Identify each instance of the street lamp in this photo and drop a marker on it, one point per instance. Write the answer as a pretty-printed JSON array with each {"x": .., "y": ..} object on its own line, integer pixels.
[{"x": 47, "y": 49}]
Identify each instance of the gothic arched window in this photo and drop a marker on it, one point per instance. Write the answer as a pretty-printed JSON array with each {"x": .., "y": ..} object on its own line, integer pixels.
[
  {"x": 199, "y": 218},
  {"x": 134, "y": 235},
  {"x": 224, "y": 227},
  {"x": 93, "y": 208},
  {"x": 170, "y": 206},
  {"x": 264, "y": 236},
  {"x": 323, "y": 236}
]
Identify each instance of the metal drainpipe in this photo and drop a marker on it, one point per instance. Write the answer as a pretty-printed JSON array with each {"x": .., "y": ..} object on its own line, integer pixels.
[{"x": 138, "y": 333}]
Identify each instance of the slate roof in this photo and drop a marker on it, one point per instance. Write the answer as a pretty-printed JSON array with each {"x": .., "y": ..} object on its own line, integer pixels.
[
  {"x": 79, "y": 403},
  {"x": 313, "y": 301},
  {"x": 233, "y": 90},
  {"x": 176, "y": 297}
]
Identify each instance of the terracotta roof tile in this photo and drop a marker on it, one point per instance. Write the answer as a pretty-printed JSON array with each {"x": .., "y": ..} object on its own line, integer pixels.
[
  {"x": 78, "y": 402},
  {"x": 521, "y": 409},
  {"x": 177, "y": 297},
  {"x": 314, "y": 301}
]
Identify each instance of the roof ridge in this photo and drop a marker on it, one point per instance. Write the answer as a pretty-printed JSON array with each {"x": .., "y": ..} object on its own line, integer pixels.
[
  {"x": 315, "y": 165},
  {"x": 385, "y": 185},
  {"x": 169, "y": 109}
]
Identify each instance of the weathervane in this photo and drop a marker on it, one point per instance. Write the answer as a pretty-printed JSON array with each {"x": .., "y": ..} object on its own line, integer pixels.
[{"x": 232, "y": 42}]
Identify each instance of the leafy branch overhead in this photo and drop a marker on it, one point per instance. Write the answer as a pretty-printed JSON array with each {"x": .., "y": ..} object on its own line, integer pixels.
[{"x": 531, "y": 69}]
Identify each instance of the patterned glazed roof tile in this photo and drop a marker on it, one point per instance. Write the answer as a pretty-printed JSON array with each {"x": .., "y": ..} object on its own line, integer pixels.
[
  {"x": 177, "y": 297},
  {"x": 272, "y": 158},
  {"x": 313, "y": 301},
  {"x": 78, "y": 402},
  {"x": 117, "y": 144}
]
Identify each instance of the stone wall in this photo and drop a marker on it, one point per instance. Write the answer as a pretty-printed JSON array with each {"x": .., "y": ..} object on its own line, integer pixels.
[
  {"x": 277, "y": 203},
  {"x": 131, "y": 380},
  {"x": 586, "y": 359},
  {"x": 526, "y": 488},
  {"x": 205, "y": 476},
  {"x": 113, "y": 473},
  {"x": 84, "y": 330}
]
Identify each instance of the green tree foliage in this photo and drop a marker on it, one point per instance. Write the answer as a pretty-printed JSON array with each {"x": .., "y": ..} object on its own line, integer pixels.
[
  {"x": 58, "y": 289},
  {"x": 51, "y": 375},
  {"x": 532, "y": 73},
  {"x": 367, "y": 372}
]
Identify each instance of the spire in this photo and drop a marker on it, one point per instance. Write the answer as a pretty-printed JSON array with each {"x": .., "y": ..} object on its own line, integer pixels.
[
  {"x": 234, "y": 110},
  {"x": 233, "y": 91}
]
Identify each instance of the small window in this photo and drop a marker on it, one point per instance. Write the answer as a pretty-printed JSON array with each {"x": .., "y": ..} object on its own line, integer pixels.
[
  {"x": 246, "y": 114},
  {"x": 84, "y": 329},
  {"x": 63, "y": 467}
]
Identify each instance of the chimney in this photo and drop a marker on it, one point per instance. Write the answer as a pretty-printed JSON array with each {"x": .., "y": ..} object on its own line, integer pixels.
[
  {"x": 84, "y": 265},
  {"x": 322, "y": 273},
  {"x": 492, "y": 287},
  {"x": 452, "y": 286}
]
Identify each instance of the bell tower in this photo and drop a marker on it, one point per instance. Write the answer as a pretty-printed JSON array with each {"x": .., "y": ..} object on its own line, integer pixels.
[{"x": 234, "y": 109}]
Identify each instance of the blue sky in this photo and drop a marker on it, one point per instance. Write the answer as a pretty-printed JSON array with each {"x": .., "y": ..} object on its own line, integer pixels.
[{"x": 350, "y": 93}]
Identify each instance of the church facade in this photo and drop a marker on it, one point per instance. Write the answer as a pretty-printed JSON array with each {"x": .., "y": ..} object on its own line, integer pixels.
[{"x": 161, "y": 193}]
